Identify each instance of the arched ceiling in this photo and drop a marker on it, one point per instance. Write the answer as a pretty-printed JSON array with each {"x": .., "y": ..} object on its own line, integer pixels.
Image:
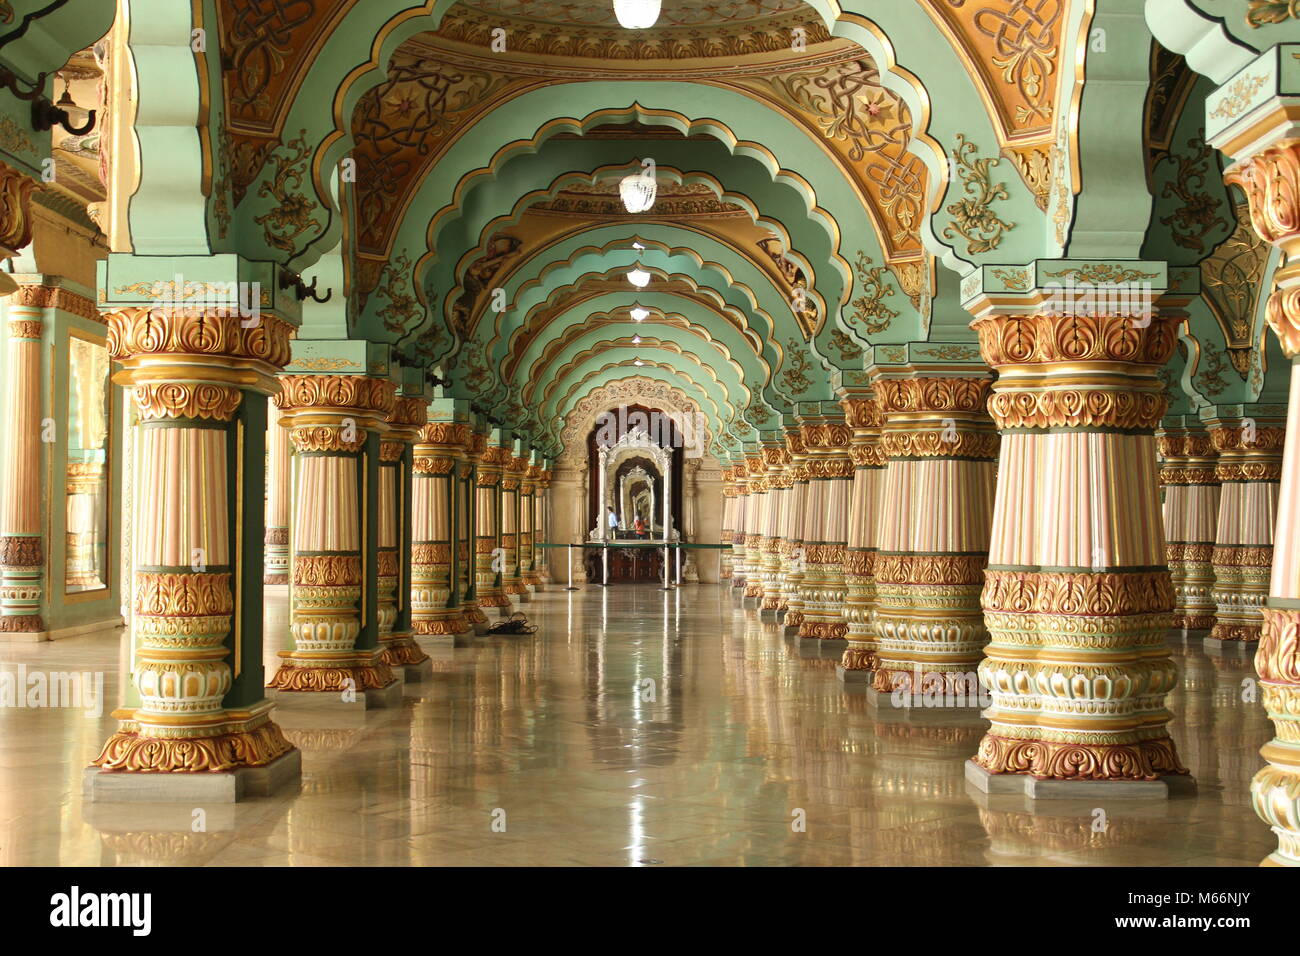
[{"x": 449, "y": 170}]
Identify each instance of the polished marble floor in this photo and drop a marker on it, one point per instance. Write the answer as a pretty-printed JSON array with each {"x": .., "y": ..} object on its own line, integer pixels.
[{"x": 637, "y": 727}]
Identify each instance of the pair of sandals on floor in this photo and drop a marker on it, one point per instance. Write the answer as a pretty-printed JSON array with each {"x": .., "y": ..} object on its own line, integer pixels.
[{"x": 516, "y": 623}]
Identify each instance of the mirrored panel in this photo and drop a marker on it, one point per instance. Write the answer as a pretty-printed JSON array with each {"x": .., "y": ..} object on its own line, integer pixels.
[{"x": 86, "y": 480}]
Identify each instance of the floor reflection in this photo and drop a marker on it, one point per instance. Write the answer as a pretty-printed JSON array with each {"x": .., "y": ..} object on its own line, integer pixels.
[{"x": 637, "y": 727}]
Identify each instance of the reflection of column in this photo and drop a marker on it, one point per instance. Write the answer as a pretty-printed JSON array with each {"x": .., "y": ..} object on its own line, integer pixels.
[
  {"x": 200, "y": 456},
  {"x": 1077, "y": 556},
  {"x": 397, "y": 648},
  {"x": 728, "y": 533},
  {"x": 491, "y": 469},
  {"x": 935, "y": 513},
  {"x": 436, "y": 488},
  {"x": 22, "y": 549},
  {"x": 826, "y": 440},
  {"x": 512, "y": 478},
  {"x": 1191, "y": 512},
  {"x": 84, "y": 489},
  {"x": 1268, "y": 176},
  {"x": 277, "y": 500},
  {"x": 329, "y": 418},
  {"x": 1249, "y": 470},
  {"x": 862, "y": 414},
  {"x": 793, "y": 558}
]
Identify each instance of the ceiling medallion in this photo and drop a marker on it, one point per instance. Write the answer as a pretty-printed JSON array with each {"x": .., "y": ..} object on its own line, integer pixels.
[{"x": 636, "y": 14}]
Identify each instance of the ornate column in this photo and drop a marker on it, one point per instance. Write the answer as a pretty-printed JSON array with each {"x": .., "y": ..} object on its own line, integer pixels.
[
  {"x": 512, "y": 478},
  {"x": 22, "y": 543},
  {"x": 528, "y": 526},
  {"x": 793, "y": 557},
  {"x": 1077, "y": 595},
  {"x": 397, "y": 647},
  {"x": 936, "y": 511},
  {"x": 1249, "y": 470},
  {"x": 1250, "y": 121},
  {"x": 825, "y": 535},
  {"x": 862, "y": 413},
  {"x": 739, "y": 558},
  {"x": 202, "y": 723},
  {"x": 755, "y": 516},
  {"x": 728, "y": 532},
  {"x": 334, "y": 423},
  {"x": 691, "y": 513},
  {"x": 1191, "y": 510},
  {"x": 542, "y": 530},
  {"x": 491, "y": 470},
  {"x": 467, "y": 469},
  {"x": 276, "y": 557},
  {"x": 774, "y": 455},
  {"x": 435, "y": 499}
]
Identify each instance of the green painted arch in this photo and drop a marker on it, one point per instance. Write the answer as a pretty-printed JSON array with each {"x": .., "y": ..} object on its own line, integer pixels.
[
  {"x": 891, "y": 34},
  {"x": 580, "y": 388},
  {"x": 600, "y": 370},
  {"x": 723, "y": 385},
  {"x": 701, "y": 322},
  {"x": 1214, "y": 45},
  {"x": 479, "y": 152},
  {"x": 724, "y": 249}
]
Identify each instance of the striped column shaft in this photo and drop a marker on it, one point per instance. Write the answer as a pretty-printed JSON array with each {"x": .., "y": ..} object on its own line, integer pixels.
[
  {"x": 727, "y": 534},
  {"x": 1249, "y": 472},
  {"x": 22, "y": 543},
  {"x": 862, "y": 413},
  {"x": 740, "y": 470},
  {"x": 826, "y": 440},
  {"x": 935, "y": 516},
  {"x": 276, "y": 557},
  {"x": 467, "y": 540},
  {"x": 397, "y": 647},
  {"x": 1270, "y": 178},
  {"x": 1077, "y": 595},
  {"x": 329, "y": 417},
  {"x": 434, "y": 610},
  {"x": 1191, "y": 510},
  {"x": 528, "y": 528},
  {"x": 774, "y": 467},
  {"x": 491, "y": 469},
  {"x": 512, "y": 582},
  {"x": 793, "y": 556},
  {"x": 755, "y": 516},
  {"x": 189, "y": 585}
]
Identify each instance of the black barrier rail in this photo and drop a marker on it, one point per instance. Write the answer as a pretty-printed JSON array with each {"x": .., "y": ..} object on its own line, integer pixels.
[{"x": 641, "y": 543}]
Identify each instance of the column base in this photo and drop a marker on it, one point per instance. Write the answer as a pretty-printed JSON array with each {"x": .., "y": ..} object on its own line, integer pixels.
[
  {"x": 400, "y": 650},
  {"x": 1188, "y": 636},
  {"x": 814, "y": 648},
  {"x": 372, "y": 698},
  {"x": 22, "y": 629},
  {"x": 947, "y": 705},
  {"x": 1214, "y": 645},
  {"x": 858, "y": 678},
  {"x": 359, "y": 680},
  {"x": 415, "y": 673},
  {"x": 230, "y": 786},
  {"x": 1037, "y": 789},
  {"x": 769, "y": 614}
]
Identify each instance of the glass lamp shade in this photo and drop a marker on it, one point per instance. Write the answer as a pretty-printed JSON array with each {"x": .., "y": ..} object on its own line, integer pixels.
[
  {"x": 639, "y": 314},
  {"x": 636, "y": 14},
  {"x": 637, "y": 192},
  {"x": 639, "y": 277}
]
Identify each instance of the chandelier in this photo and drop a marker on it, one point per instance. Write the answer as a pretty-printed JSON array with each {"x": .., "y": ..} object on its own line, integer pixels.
[
  {"x": 639, "y": 277},
  {"x": 636, "y": 14},
  {"x": 638, "y": 192},
  {"x": 639, "y": 314}
]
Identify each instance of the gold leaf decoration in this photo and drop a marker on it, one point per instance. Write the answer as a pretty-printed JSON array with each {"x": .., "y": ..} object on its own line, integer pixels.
[
  {"x": 869, "y": 309},
  {"x": 291, "y": 215},
  {"x": 973, "y": 217}
]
